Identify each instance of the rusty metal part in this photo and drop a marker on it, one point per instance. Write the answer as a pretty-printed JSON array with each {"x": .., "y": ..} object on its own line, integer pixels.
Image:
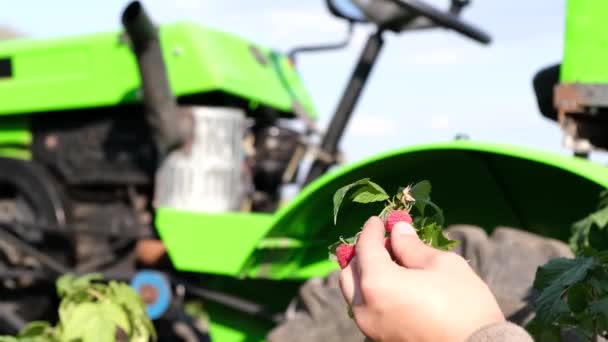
[
  {"x": 574, "y": 96},
  {"x": 582, "y": 115}
]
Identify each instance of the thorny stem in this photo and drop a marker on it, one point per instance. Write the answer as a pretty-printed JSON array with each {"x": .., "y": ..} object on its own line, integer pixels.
[{"x": 384, "y": 211}]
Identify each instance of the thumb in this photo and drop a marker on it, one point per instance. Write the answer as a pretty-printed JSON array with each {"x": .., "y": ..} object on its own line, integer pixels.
[{"x": 408, "y": 250}]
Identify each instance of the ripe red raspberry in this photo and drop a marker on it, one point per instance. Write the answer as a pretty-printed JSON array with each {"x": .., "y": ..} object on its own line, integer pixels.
[
  {"x": 396, "y": 216},
  {"x": 344, "y": 253}
]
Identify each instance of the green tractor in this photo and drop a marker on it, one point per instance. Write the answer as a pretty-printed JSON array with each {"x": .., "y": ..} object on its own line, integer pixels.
[{"x": 157, "y": 155}]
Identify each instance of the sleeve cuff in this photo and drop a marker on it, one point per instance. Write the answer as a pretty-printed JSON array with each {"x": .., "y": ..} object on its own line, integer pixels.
[{"x": 501, "y": 332}]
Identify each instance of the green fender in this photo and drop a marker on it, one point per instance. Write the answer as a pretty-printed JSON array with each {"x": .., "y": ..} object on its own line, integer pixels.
[{"x": 477, "y": 183}]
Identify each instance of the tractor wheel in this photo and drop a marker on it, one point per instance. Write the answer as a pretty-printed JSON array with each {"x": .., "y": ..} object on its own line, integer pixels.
[
  {"x": 319, "y": 313},
  {"x": 27, "y": 198},
  {"x": 506, "y": 260},
  {"x": 18, "y": 305}
]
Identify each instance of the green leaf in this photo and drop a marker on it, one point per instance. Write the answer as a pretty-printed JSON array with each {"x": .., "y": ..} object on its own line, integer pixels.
[
  {"x": 369, "y": 193},
  {"x": 582, "y": 229},
  {"x": 556, "y": 268},
  {"x": 432, "y": 234},
  {"x": 64, "y": 284},
  {"x": 35, "y": 329},
  {"x": 599, "y": 307},
  {"x": 140, "y": 328},
  {"x": 68, "y": 283},
  {"x": 374, "y": 193},
  {"x": 125, "y": 296},
  {"x": 553, "y": 279},
  {"x": 399, "y": 195},
  {"x": 600, "y": 218},
  {"x": 543, "y": 332},
  {"x": 577, "y": 297},
  {"x": 438, "y": 216},
  {"x": 93, "y": 322},
  {"x": 579, "y": 238},
  {"x": 421, "y": 192}
]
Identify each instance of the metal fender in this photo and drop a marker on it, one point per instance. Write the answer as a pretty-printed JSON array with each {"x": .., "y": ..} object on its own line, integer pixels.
[{"x": 478, "y": 183}]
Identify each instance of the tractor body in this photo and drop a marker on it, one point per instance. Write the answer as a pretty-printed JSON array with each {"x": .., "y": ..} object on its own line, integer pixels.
[{"x": 84, "y": 176}]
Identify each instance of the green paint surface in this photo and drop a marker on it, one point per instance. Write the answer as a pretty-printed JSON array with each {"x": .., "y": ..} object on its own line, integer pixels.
[
  {"x": 100, "y": 70},
  {"x": 477, "y": 183},
  {"x": 586, "y": 42},
  {"x": 15, "y": 137}
]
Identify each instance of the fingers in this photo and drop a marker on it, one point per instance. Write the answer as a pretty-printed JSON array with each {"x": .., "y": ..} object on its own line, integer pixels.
[
  {"x": 408, "y": 250},
  {"x": 370, "y": 254},
  {"x": 370, "y": 249},
  {"x": 350, "y": 282}
]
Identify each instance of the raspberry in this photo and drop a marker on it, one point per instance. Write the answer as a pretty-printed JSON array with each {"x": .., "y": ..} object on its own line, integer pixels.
[
  {"x": 396, "y": 216},
  {"x": 344, "y": 253}
]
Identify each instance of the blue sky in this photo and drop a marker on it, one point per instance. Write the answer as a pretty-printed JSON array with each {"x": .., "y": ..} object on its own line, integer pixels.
[{"x": 428, "y": 86}]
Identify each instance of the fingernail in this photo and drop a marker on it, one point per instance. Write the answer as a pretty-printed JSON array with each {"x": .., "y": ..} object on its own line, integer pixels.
[{"x": 403, "y": 228}]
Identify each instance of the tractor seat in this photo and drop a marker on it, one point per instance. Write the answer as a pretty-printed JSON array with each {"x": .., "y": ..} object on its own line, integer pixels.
[{"x": 544, "y": 81}]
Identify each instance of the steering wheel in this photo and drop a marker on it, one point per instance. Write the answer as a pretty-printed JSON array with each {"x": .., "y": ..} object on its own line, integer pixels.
[
  {"x": 448, "y": 20},
  {"x": 407, "y": 15}
]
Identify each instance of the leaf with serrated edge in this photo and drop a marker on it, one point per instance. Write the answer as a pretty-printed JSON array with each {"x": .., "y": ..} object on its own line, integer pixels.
[
  {"x": 600, "y": 218},
  {"x": 129, "y": 300},
  {"x": 553, "y": 279},
  {"x": 369, "y": 193},
  {"x": 90, "y": 322},
  {"x": 421, "y": 192},
  {"x": 580, "y": 234},
  {"x": 577, "y": 297},
  {"x": 552, "y": 270},
  {"x": 600, "y": 306},
  {"x": 433, "y": 235},
  {"x": 341, "y": 193},
  {"x": 36, "y": 329}
]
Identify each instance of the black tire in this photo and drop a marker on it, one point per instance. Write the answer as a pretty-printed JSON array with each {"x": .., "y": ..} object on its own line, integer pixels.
[
  {"x": 507, "y": 261},
  {"x": 28, "y": 197}
]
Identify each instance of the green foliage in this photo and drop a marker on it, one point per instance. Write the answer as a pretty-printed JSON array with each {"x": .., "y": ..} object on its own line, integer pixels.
[
  {"x": 366, "y": 192},
  {"x": 428, "y": 223},
  {"x": 92, "y": 311},
  {"x": 433, "y": 235},
  {"x": 574, "y": 292},
  {"x": 556, "y": 281},
  {"x": 421, "y": 192},
  {"x": 594, "y": 226}
]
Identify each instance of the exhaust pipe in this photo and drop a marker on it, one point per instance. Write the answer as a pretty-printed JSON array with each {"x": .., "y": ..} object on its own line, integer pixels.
[{"x": 168, "y": 131}]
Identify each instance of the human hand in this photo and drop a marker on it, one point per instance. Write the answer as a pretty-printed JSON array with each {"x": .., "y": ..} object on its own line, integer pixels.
[{"x": 421, "y": 294}]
